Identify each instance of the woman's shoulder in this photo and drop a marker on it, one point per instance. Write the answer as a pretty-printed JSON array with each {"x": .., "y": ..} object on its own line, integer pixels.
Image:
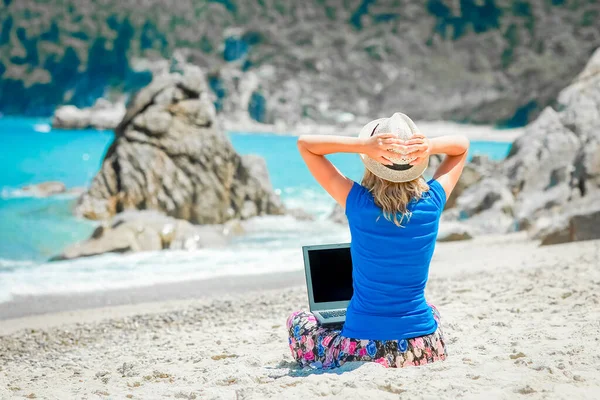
[
  {"x": 437, "y": 192},
  {"x": 357, "y": 196}
]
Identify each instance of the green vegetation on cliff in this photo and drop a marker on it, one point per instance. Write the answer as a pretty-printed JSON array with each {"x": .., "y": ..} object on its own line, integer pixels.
[{"x": 467, "y": 60}]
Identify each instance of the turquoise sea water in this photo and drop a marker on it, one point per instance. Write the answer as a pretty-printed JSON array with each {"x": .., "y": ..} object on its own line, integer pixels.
[{"x": 34, "y": 229}]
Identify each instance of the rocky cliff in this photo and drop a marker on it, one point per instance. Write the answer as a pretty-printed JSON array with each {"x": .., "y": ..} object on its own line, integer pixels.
[
  {"x": 169, "y": 155},
  {"x": 327, "y": 61},
  {"x": 550, "y": 182}
]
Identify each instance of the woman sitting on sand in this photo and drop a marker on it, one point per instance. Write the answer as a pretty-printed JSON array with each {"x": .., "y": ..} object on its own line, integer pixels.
[{"x": 393, "y": 216}]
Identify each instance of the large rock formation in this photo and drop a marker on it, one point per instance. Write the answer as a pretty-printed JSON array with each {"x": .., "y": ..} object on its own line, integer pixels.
[
  {"x": 555, "y": 165},
  {"x": 169, "y": 155},
  {"x": 550, "y": 182},
  {"x": 322, "y": 60}
]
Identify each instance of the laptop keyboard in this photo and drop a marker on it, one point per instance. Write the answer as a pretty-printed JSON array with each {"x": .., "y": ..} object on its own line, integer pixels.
[{"x": 332, "y": 314}]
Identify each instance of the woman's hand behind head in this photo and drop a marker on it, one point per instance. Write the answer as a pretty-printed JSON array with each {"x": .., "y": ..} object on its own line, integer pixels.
[{"x": 383, "y": 146}]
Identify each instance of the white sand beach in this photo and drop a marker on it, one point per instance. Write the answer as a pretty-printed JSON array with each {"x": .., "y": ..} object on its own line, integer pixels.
[{"x": 520, "y": 321}]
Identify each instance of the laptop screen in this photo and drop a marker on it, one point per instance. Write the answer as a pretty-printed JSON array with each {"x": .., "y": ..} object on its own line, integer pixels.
[{"x": 331, "y": 274}]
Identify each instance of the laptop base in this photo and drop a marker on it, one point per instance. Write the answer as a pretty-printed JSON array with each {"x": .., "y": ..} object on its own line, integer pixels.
[{"x": 326, "y": 319}]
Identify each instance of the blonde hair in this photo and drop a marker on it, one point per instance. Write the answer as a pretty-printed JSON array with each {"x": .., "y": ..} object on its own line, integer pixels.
[{"x": 393, "y": 197}]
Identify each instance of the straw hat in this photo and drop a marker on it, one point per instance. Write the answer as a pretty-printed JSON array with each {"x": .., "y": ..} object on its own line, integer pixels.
[{"x": 404, "y": 128}]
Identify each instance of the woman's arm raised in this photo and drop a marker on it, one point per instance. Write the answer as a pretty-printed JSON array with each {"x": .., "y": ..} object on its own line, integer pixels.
[
  {"x": 313, "y": 149},
  {"x": 456, "y": 148}
]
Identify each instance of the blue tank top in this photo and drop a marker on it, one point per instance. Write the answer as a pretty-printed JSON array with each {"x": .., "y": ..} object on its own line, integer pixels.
[{"x": 391, "y": 266}]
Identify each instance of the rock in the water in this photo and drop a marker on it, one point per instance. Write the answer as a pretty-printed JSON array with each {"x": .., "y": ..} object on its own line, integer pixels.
[
  {"x": 338, "y": 215},
  {"x": 136, "y": 231},
  {"x": 103, "y": 115},
  {"x": 45, "y": 189},
  {"x": 169, "y": 155}
]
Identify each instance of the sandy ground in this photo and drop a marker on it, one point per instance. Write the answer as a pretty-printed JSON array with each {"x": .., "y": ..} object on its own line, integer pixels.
[{"x": 521, "y": 322}]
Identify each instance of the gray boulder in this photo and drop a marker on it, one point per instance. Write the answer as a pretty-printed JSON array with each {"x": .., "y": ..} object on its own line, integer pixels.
[
  {"x": 170, "y": 155},
  {"x": 578, "y": 227},
  {"x": 136, "y": 231},
  {"x": 490, "y": 193},
  {"x": 577, "y": 220}
]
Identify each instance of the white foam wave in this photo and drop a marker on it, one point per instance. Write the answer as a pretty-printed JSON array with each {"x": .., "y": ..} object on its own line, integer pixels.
[
  {"x": 14, "y": 263},
  {"x": 271, "y": 244},
  {"x": 11, "y": 193},
  {"x": 42, "y": 128},
  {"x": 314, "y": 201}
]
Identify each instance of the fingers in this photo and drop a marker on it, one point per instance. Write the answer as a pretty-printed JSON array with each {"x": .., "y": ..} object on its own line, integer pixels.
[
  {"x": 403, "y": 149},
  {"x": 414, "y": 141},
  {"x": 385, "y": 135},
  {"x": 397, "y": 148},
  {"x": 417, "y": 148},
  {"x": 392, "y": 141},
  {"x": 384, "y": 161},
  {"x": 417, "y": 160}
]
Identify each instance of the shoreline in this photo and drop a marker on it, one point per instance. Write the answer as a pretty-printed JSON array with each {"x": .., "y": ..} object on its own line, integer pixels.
[
  {"x": 36, "y": 311},
  {"x": 448, "y": 260},
  {"x": 516, "y": 318}
]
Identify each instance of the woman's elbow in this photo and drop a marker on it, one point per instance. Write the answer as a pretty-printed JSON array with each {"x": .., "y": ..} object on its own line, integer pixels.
[
  {"x": 301, "y": 142},
  {"x": 459, "y": 145},
  {"x": 466, "y": 143}
]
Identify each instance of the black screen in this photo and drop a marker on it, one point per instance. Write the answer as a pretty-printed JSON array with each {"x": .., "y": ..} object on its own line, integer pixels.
[{"x": 331, "y": 273}]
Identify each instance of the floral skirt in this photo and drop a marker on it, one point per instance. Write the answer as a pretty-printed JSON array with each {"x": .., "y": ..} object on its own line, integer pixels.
[{"x": 320, "y": 347}]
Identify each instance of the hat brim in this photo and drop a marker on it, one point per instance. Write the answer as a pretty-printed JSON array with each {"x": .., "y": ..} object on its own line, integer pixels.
[
  {"x": 383, "y": 171},
  {"x": 391, "y": 175}
]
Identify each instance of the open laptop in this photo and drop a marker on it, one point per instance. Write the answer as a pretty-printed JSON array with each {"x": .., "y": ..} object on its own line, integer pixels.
[{"x": 328, "y": 270}]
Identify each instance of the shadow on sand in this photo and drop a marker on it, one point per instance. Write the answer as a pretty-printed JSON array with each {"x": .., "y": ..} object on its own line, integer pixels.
[{"x": 294, "y": 370}]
